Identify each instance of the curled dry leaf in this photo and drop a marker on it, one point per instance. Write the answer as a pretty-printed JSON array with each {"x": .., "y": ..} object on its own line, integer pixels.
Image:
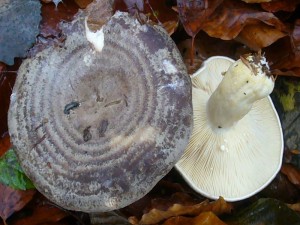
[
  {"x": 295, "y": 207},
  {"x": 83, "y": 3},
  {"x": 156, "y": 215},
  {"x": 232, "y": 16},
  {"x": 280, "y": 5},
  {"x": 258, "y": 36},
  {"x": 12, "y": 200},
  {"x": 205, "y": 218},
  {"x": 285, "y": 53},
  {"x": 193, "y": 14},
  {"x": 99, "y": 13},
  {"x": 205, "y": 47},
  {"x": 52, "y": 16},
  {"x": 42, "y": 214},
  {"x": 256, "y": 1},
  {"x": 292, "y": 172},
  {"x": 4, "y": 144}
]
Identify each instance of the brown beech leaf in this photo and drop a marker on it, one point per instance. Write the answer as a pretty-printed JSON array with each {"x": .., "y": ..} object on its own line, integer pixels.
[
  {"x": 156, "y": 215},
  {"x": 258, "y": 36},
  {"x": 83, "y": 3},
  {"x": 12, "y": 200},
  {"x": 280, "y": 5},
  {"x": 285, "y": 54},
  {"x": 256, "y": 1},
  {"x": 99, "y": 13},
  {"x": 205, "y": 218},
  {"x": 204, "y": 47},
  {"x": 193, "y": 14},
  {"x": 292, "y": 172},
  {"x": 52, "y": 15},
  {"x": 4, "y": 144},
  {"x": 232, "y": 16},
  {"x": 295, "y": 206},
  {"x": 42, "y": 214}
]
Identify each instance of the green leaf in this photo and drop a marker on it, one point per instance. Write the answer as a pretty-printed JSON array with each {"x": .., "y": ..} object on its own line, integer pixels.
[{"x": 11, "y": 173}]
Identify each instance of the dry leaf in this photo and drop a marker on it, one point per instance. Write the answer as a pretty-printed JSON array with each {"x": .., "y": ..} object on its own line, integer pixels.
[
  {"x": 156, "y": 215},
  {"x": 99, "y": 13},
  {"x": 204, "y": 47},
  {"x": 170, "y": 26},
  {"x": 258, "y": 36},
  {"x": 292, "y": 172},
  {"x": 256, "y": 1},
  {"x": 42, "y": 214},
  {"x": 193, "y": 14},
  {"x": 12, "y": 200},
  {"x": 280, "y": 5},
  {"x": 4, "y": 144},
  {"x": 285, "y": 54},
  {"x": 232, "y": 16},
  {"x": 52, "y": 16},
  {"x": 205, "y": 218},
  {"x": 83, "y": 3}
]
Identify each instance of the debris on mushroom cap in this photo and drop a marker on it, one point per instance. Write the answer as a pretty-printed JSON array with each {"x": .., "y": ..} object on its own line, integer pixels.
[
  {"x": 95, "y": 131},
  {"x": 239, "y": 160}
]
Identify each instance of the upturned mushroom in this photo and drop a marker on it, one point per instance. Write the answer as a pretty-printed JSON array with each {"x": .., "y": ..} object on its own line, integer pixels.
[
  {"x": 236, "y": 145},
  {"x": 96, "y": 125}
]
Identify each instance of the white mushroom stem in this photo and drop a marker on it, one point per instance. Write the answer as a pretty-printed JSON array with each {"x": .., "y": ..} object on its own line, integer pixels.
[{"x": 246, "y": 81}]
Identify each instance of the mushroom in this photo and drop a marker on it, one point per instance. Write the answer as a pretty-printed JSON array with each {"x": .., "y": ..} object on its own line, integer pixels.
[
  {"x": 236, "y": 146},
  {"x": 96, "y": 128}
]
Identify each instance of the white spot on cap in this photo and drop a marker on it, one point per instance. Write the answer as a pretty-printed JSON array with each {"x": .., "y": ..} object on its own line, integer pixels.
[
  {"x": 168, "y": 67},
  {"x": 96, "y": 38}
]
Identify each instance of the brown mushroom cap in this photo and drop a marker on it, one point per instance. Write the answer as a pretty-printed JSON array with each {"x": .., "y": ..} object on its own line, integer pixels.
[{"x": 95, "y": 131}]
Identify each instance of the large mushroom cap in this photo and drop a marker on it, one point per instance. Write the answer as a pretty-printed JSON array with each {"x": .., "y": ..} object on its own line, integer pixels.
[
  {"x": 236, "y": 163},
  {"x": 96, "y": 129}
]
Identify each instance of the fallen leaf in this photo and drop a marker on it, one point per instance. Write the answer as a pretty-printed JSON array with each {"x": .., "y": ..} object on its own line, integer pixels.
[
  {"x": 194, "y": 14},
  {"x": 99, "y": 13},
  {"x": 188, "y": 209},
  {"x": 52, "y": 16},
  {"x": 205, "y": 218},
  {"x": 42, "y": 214},
  {"x": 292, "y": 172},
  {"x": 295, "y": 207},
  {"x": 12, "y": 200},
  {"x": 285, "y": 53},
  {"x": 19, "y": 22},
  {"x": 280, "y": 5},
  {"x": 4, "y": 144},
  {"x": 256, "y": 1},
  {"x": 83, "y": 3},
  {"x": 11, "y": 173},
  {"x": 170, "y": 26},
  {"x": 157, "y": 11},
  {"x": 205, "y": 47},
  {"x": 232, "y": 16},
  {"x": 258, "y": 36}
]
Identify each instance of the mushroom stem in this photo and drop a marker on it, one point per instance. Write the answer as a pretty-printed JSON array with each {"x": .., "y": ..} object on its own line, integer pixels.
[{"x": 246, "y": 81}]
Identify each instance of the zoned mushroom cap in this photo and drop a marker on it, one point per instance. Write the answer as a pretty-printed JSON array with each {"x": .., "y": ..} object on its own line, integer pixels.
[
  {"x": 96, "y": 129},
  {"x": 240, "y": 162}
]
